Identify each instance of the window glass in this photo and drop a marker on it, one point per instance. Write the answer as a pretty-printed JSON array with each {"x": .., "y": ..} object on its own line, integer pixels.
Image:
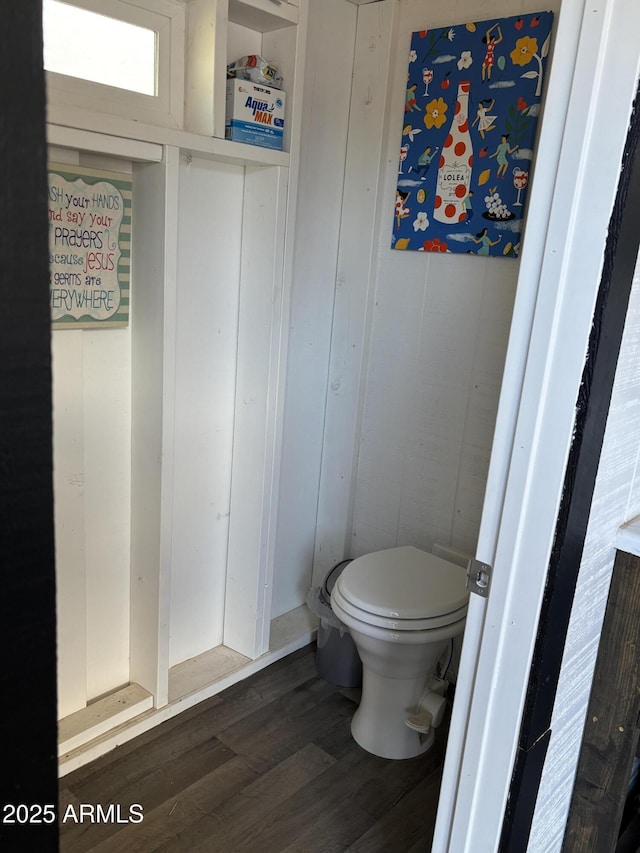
[{"x": 98, "y": 48}]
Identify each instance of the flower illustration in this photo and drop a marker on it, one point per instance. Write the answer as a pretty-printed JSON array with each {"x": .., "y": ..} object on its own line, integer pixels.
[
  {"x": 421, "y": 222},
  {"x": 524, "y": 51},
  {"x": 412, "y": 56},
  {"x": 434, "y": 245},
  {"x": 465, "y": 60},
  {"x": 410, "y": 131},
  {"x": 520, "y": 106},
  {"x": 434, "y": 41},
  {"x": 435, "y": 113}
]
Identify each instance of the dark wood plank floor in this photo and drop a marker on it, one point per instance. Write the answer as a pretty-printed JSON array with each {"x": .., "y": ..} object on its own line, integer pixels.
[{"x": 268, "y": 766}]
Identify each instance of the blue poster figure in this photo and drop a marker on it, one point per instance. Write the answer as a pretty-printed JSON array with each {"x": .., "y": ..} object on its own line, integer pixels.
[
  {"x": 483, "y": 238},
  {"x": 424, "y": 161},
  {"x": 501, "y": 153},
  {"x": 410, "y": 99},
  {"x": 485, "y": 122},
  {"x": 491, "y": 41},
  {"x": 467, "y": 205}
]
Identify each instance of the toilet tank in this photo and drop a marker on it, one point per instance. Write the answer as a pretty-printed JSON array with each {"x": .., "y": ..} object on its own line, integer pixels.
[{"x": 451, "y": 554}]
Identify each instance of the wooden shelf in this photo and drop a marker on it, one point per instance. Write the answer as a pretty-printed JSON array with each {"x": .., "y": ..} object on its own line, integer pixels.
[
  {"x": 73, "y": 128},
  {"x": 265, "y": 16}
]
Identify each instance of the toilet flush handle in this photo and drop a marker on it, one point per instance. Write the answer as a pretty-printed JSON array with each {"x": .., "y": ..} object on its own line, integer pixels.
[{"x": 420, "y": 722}]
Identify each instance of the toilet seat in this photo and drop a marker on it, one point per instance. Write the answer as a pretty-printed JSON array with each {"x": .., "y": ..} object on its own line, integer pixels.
[
  {"x": 402, "y": 589},
  {"x": 395, "y": 623}
]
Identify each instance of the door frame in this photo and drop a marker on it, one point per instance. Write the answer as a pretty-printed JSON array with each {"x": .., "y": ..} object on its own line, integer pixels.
[{"x": 591, "y": 89}]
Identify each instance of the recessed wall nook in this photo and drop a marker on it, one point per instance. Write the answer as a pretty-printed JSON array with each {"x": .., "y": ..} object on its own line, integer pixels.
[{"x": 168, "y": 433}]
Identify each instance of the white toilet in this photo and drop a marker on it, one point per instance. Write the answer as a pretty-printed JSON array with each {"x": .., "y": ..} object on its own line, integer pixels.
[{"x": 402, "y": 607}]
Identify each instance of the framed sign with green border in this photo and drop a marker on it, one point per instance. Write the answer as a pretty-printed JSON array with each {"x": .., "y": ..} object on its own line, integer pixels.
[{"x": 89, "y": 247}]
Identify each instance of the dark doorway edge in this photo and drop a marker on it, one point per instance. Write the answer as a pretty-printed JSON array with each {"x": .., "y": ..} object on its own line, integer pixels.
[
  {"x": 28, "y": 776},
  {"x": 592, "y": 407}
]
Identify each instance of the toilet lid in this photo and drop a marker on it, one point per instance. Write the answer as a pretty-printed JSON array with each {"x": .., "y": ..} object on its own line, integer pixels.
[
  {"x": 404, "y": 583},
  {"x": 344, "y": 609}
]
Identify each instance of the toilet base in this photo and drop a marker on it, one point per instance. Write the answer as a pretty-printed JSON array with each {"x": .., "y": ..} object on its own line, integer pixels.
[{"x": 379, "y": 723}]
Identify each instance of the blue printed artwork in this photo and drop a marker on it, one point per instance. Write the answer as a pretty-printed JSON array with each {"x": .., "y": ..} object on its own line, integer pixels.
[{"x": 471, "y": 108}]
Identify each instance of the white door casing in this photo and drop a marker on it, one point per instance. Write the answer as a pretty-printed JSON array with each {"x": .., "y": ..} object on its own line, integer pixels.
[{"x": 590, "y": 92}]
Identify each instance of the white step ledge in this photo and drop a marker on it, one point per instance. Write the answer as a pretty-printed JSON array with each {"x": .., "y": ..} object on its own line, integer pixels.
[{"x": 198, "y": 679}]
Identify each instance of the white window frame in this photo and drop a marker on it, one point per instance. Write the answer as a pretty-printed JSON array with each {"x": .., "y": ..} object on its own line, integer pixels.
[{"x": 166, "y": 107}]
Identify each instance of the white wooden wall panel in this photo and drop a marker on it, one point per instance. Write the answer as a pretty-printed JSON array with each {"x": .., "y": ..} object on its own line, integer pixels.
[
  {"x": 491, "y": 338},
  {"x": 256, "y": 439},
  {"x": 282, "y": 44},
  {"x": 154, "y": 305},
  {"x": 206, "y": 60},
  {"x": 242, "y": 42},
  {"x": 616, "y": 500},
  {"x": 107, "y": 425},
  {"x": 354, "y": 280},
  {"x": 92, "y": 471},
  {"x": 107, "y": 473},
  {"x": 69, "y": 507},
  {"x": 209, "y": 244},
  {"x": 92, "y": 465},
  {"x": 325, "y": 110},
  {"x": 436, "y": 350}
]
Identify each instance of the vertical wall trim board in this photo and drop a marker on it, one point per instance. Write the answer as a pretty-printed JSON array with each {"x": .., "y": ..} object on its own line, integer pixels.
[
  {"x": 310, "y": 276},
  {"x": 354, "y": 284},
  {"x": 592, "y": 408},
  {"x": 317, "y": 546}
]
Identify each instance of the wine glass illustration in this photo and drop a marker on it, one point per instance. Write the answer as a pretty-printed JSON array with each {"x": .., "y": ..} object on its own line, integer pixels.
[
  {"x": 403, "y": 156},
  {"x": 427, "y": 77},
  {"x": 520, "y": 181}
]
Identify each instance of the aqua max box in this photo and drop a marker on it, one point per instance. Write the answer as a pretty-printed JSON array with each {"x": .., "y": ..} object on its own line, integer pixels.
[{"x": 254, "y": 114}]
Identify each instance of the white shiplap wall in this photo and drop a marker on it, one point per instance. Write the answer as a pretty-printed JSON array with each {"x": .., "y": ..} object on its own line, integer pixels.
[
  {"x": 616, "y": 500},
  {"x": 92, "y": 473},
  {"x": 438, "y": 342},
  {"x": 92, "y": 469},
  {"x": 209, "y": 242},
  {"x": 418, "y": 341},
  {"x": 437, "y": 346},
  {"x": 92, "y": 450},
  {"x": 326, "y": 98}
]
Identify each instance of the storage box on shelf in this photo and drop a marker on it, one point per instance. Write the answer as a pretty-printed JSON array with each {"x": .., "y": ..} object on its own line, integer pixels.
[
  {"x": 221, "y": 31},
  {"x": 255, "y": 114}
]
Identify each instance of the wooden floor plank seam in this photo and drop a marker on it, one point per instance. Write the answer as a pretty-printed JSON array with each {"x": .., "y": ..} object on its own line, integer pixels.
[{"x": 268, "y": 765}]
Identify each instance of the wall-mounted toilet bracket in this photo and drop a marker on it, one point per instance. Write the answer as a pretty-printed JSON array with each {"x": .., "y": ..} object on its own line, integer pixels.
[{"x": 478, "y": 577}]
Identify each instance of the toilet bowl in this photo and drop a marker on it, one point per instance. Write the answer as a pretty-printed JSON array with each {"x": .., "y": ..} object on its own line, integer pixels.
[{"x": 402, "y": 607}]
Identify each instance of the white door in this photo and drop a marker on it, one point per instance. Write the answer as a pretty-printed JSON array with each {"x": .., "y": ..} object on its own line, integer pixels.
[{"x": 590, "y": 93}]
